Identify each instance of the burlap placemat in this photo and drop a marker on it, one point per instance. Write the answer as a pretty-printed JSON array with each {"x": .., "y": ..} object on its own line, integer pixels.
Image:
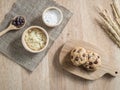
[{"x": 10, "y": 43}]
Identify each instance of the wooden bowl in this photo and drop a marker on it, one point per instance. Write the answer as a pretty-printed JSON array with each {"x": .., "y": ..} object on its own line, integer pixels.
[
  {"x": 24, "y": 42},
  {"x": 55, "y": 11},
  {"x": 106, "y": 67}
]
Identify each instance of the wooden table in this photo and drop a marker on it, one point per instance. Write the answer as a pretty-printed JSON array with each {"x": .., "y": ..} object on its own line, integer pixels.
[{"x": 49, "y": 75}]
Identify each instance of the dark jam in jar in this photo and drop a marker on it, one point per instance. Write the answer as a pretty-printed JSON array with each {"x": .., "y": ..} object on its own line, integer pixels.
[{"x": 18, "y": 21}]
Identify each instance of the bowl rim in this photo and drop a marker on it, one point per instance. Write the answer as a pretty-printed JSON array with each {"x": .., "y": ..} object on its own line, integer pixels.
[
  {"x": 26, "y": 46},
  {"x": 61, "y": 16}
]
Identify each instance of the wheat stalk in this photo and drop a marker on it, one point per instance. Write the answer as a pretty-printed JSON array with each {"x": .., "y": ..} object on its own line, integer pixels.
[
  {"x": 111, "y": 36},
  {"x": 116, "y": 11},
  {"x": 104, "y": 13},
  {"x": 110, "y": 29},
  {"x": 111, "y": 26}
]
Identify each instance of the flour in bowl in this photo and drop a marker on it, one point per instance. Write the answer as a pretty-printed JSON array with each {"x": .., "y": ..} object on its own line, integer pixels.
[{"x": 52, "y": 17}]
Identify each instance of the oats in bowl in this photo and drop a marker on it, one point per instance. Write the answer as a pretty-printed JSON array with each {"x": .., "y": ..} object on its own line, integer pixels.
[{"x": 35, "y": 39}]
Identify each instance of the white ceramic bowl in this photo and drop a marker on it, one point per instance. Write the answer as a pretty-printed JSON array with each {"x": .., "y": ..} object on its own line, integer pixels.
[
  {"x": 52, "y": 16},
  {"x": 24, "y": 42}
]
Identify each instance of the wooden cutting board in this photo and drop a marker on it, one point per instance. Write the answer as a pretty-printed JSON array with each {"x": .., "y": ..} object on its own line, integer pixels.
[{"x": 64, "y": 59}]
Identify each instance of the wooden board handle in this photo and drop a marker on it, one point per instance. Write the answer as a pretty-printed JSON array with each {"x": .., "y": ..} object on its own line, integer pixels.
[
  {"x": 111, "y": 70},
  {"x": 114, "y": 72}
]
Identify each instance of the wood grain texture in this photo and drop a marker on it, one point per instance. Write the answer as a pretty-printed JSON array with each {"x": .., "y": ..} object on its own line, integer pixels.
[
  {"x": 65, "y": 62},
  {"x": 49, "y": 75}
]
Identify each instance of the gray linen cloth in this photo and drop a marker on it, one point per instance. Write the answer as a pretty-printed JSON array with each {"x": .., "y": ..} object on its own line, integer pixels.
[{"x": 10, "y": 43}]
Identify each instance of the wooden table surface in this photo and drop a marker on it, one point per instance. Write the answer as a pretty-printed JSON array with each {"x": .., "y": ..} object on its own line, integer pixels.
[{"x": 49, "y": 75}]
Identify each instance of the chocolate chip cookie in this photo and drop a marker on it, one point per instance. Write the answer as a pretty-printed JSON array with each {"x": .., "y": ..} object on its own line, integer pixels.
[
  {"x": 78, "y": 56},
  {"x": 93, "y": 62}
]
